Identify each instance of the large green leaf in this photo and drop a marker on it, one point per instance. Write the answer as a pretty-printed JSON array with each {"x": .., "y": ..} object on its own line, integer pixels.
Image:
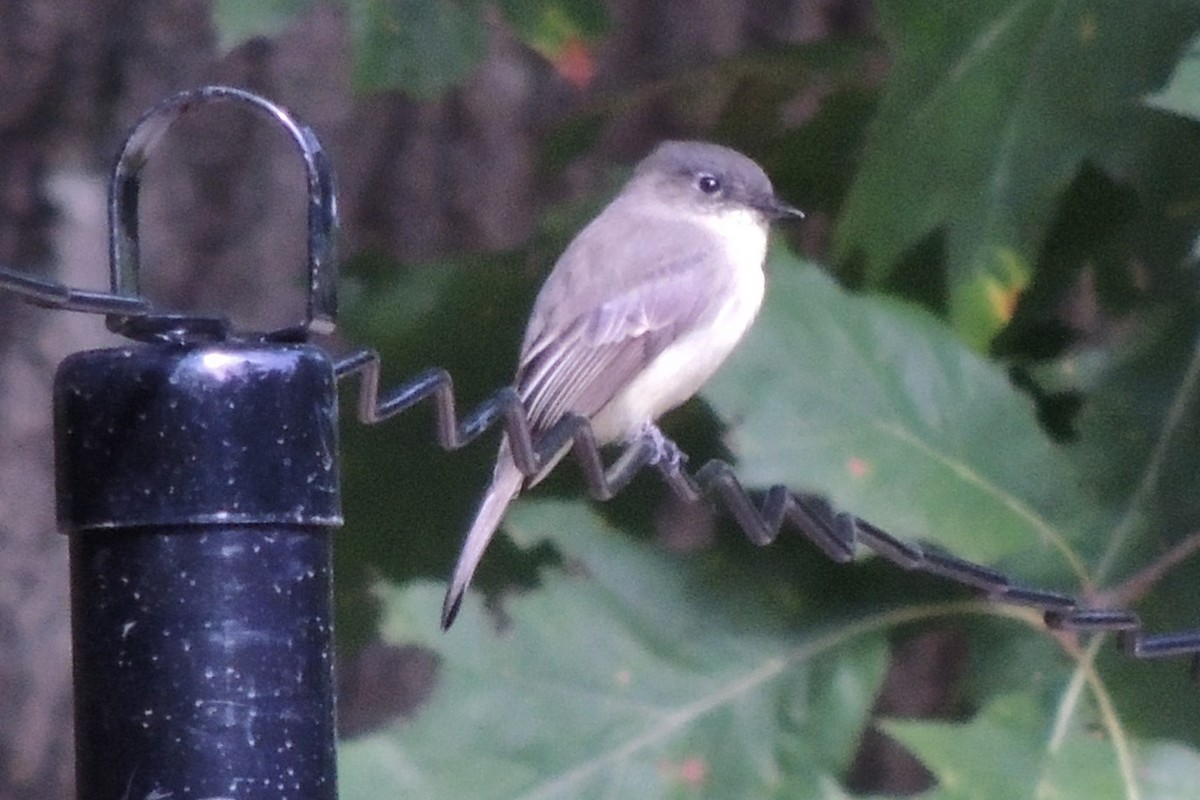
[
  {"x": 990, "y": 110},
  {"x": 882, "y": 408},
  {"x": 879, "y": 406},
  {"x": 634, "y": 674}
]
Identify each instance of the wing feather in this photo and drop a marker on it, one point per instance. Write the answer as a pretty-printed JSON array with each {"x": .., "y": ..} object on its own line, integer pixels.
[{"x": 582, "y": 365}]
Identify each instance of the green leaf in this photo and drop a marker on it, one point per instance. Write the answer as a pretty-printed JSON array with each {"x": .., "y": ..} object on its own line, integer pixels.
[
  {"x": 1181, "y": 95},
  {"x": 1169, "y": 771},
  {"x": 1002, "y": 754},
  {"x": 236, "y": 20},
  {"x": 1140, "y": 433},
  {"x": 990, "y": 111},
  {"x": 419, "y": 47},
  {"x": 1011, "y": 750},
  {"x": 1139, "y": 449},
  {"x": 633, "y": 674},
  {"x": 548, "y": 25},
  {"x": 561, "y": 31},
  {"x": 882, "y": 408},
  {"x": 879, "y": 406}
]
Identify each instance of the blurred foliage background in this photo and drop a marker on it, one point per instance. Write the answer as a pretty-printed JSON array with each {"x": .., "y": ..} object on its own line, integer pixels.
[{"x": 984, "y": 337}]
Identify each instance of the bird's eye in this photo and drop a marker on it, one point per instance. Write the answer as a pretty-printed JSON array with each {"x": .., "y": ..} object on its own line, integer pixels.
[{"x": 709, "y": 184}]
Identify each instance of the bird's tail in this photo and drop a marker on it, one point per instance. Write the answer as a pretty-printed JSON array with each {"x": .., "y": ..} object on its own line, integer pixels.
[{"x": 505, "y": 485}]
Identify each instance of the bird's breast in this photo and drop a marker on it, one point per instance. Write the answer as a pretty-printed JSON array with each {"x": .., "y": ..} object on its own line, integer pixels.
[{"x": 679, "y": 371}]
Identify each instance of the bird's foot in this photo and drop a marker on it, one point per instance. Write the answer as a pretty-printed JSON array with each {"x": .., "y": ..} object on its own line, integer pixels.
[{"x": 666, "y": 454}]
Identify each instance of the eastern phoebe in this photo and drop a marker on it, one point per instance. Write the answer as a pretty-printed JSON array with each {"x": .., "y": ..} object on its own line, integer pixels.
[{"x": 639, "y": 312}]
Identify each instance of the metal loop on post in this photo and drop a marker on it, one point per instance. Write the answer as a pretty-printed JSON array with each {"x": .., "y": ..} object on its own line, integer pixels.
[{"x": 124, "y": 187}]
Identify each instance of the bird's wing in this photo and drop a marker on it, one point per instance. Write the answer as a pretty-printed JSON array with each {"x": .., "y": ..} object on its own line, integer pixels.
[{"x": 580, "y": 364}]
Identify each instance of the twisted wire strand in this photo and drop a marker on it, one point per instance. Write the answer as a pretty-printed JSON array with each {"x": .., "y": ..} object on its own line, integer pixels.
[
  {"x": 837, "y": 535},
  {"x": 49, "y": 294},
  {"x": 138, "y": 319}
]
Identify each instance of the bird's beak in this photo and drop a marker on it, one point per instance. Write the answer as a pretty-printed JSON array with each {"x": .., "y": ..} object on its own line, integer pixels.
[{"x": 774, "y": 209}]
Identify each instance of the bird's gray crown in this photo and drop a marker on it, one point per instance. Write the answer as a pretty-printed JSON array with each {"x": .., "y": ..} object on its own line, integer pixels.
[{"x": 709, "y": 175}]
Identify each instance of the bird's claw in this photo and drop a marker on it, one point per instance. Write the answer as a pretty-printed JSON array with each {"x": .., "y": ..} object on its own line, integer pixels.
[{"x": 666, "y": 454}]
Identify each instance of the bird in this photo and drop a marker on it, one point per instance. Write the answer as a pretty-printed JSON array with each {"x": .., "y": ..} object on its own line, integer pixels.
[{"x": 639, "y": 311}]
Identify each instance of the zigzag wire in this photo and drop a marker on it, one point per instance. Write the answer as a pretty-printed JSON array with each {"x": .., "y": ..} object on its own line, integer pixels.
[{"x": 836, "y": 535}]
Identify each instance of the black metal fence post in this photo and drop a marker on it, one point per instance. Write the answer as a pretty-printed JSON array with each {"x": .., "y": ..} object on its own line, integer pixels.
[
  {"x": 199, "y": 487},
  {"x": 198, "y": 481}
]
